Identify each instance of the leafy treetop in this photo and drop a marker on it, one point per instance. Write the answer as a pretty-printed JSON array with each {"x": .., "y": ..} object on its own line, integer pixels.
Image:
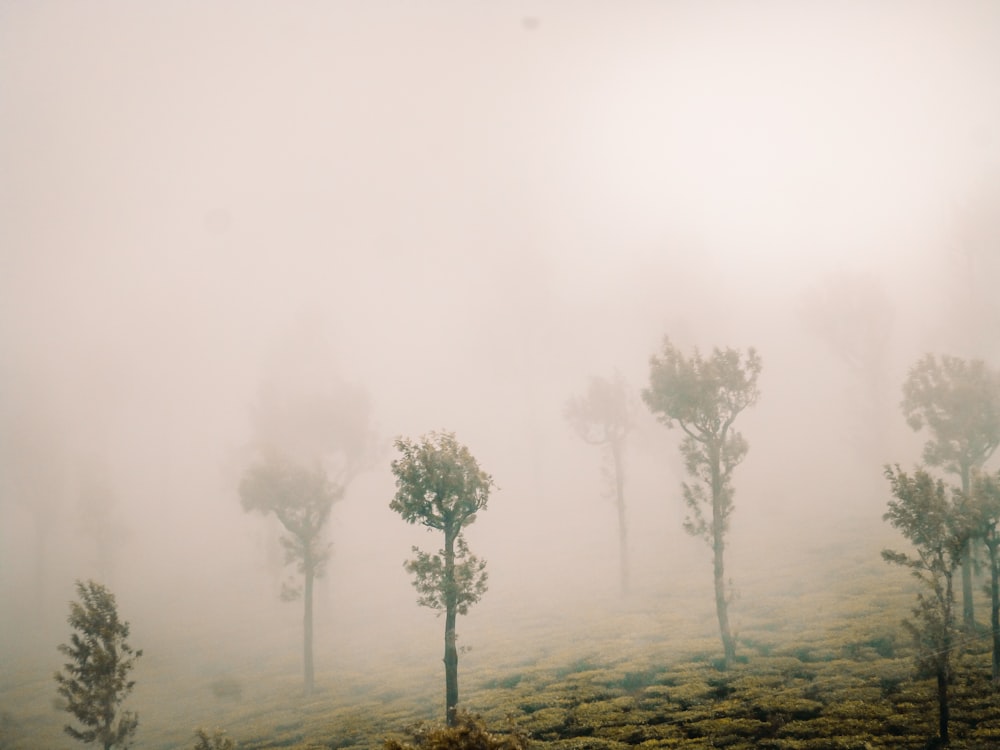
[
  {"x": 958, "y": 400},
  {"x": 702, "y": 396},
  {"x": 439, "y": 483}
]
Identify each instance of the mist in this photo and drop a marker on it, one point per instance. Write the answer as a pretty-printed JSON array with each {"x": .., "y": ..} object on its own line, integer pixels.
[{"x": 465, "y": 211}]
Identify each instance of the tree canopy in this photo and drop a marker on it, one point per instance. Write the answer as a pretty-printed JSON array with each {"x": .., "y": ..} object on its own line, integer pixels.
[{"x": 958, "y": 401}]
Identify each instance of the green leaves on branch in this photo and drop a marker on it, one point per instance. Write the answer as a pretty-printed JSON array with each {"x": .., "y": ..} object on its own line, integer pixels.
[
  {"x": 703, "y": 397},
  {"x": 938, "y": 522},
  {"x": 436, "y": 588},
  {"x": 438, "y": 482}
]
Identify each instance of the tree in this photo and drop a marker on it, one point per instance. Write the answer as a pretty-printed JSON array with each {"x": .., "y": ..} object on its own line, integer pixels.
[
  {"x": 958, "y": 401},
  {"x": 603, "y": 417},
  {"x": 301, "y": 498},
  {"x": 703, "y": 397},
  {"x": 95, "y": 681},
  {"x": 986, "y": 503},
  {"x": 938, "y": 528},
  {"x": 439, "y": 485}
]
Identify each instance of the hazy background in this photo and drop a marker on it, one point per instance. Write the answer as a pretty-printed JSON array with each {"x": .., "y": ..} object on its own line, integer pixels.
[{"x": 467, "y": 209}]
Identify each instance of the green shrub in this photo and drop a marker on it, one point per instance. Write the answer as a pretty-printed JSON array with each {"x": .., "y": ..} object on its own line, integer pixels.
[
  {"x": 215, "y": 741},
  {"x": 468, "y": 733}
]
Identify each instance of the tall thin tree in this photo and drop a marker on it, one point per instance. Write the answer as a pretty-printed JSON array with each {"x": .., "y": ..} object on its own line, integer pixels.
[
  {"x": 301, "y": 498},
  {"x": 704, "y": 396},
  {"x": 439, "y": 485}
]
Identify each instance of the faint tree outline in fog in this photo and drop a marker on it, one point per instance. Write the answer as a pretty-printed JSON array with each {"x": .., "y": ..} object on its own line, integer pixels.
[
  {"x": 603, "y": 417},
  {"x": 97, "y": 508},
  {"x": 95, "y": 681},
  {"x": 958, "y": 401},
  {"x": 312, "y": 436},
  {"x": 301, "y": 498},
  {"x": 439, "y": 485},
  {"x": 852, "y": 314},
  {"x": 703, "y": 397}
]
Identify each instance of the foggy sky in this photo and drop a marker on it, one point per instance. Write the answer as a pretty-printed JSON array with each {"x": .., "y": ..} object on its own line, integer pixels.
[{"x": 467, "y": 209}]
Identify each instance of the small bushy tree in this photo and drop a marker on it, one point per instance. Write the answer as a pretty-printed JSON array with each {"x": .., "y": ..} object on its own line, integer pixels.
[
  {"x": 217, "y": 740},
  {"x": 95, "y": 681},
  {"x": 439, "y": 485},
  {"x": 938, "y": 526},
  {"x": 468, "y": 732}
]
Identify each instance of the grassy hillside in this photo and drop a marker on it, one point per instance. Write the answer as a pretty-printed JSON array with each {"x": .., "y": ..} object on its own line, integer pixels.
[{"x": 823, "y": 663}]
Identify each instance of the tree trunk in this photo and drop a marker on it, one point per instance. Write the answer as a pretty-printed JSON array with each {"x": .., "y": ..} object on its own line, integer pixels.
[
  {"x": 616, "y": 452},
  {"x": 718, "y": 550},
  {"x": 450, "y": 647},
  {"x": 968, "y": 609},
  {"x": 991, "y": 544},
  {"x": 943, "y": 715},
  {"x": 307, "y": 626}
]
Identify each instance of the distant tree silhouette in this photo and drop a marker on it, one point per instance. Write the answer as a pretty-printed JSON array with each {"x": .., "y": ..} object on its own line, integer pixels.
[
  {"x": 94, "y": 682},
  {"x": 301, "y": 498},
  {"x": 311, "y": 437},
  {"x": 603, "y": 417},
  {"x": 703, "y": 397},
  {"x": 439, "y": 485}
]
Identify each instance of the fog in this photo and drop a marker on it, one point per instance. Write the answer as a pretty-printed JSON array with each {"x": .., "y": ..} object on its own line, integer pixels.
[{"x": 466, "y": 210}]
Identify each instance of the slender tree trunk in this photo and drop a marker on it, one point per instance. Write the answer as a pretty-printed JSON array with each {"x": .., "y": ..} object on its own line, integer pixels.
[
  {"x": 943, "y": 659},
  {"x": 307, "y": 625},
  {"x": 968, "y": 609},
  {"x": 450, "y": 647},
  {"x": 718, "y": 552},
  {"x": 943, "y": 714},
  {"x": 616, "y": 452},
  {"x": 991, "y": 544}
]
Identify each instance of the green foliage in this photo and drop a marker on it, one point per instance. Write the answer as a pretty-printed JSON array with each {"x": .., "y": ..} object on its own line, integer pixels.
[
  {"x": 939, "y": 529},
  {"x": 468, "y": 733},
  {"x": 958, "y": 401},
  {"x": 217, "y": 740},
  {"x": 438, "y": 482},
  {"x": 95, "y": 682},
  {"x": 703, "y": 397},
  {"x": 465, "y": 586}
]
